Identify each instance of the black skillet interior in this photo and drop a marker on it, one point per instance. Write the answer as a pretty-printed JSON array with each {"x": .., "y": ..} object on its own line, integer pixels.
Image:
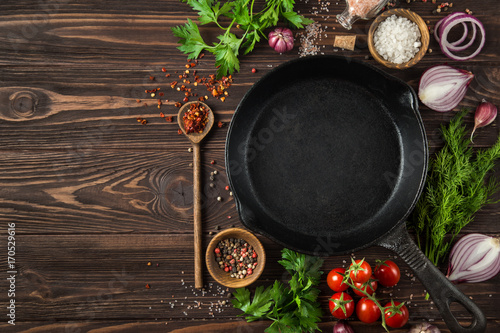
[{"x": 326, "y": 154}]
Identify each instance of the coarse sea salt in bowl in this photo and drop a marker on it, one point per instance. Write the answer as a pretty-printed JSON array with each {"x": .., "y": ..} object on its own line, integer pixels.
[{"x": 398, "y": 38}]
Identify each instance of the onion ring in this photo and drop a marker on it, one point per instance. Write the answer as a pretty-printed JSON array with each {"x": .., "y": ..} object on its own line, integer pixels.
[
  {"x": 447, "y": 24},
  {"x": 438, "y": 31}
]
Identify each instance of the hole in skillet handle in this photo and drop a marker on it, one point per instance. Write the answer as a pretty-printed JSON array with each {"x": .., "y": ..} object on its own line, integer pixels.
[{"x": 442, "y": 291}]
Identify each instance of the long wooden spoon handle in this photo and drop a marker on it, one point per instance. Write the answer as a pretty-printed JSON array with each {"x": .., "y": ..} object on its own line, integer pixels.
[{"x": 198, "y": 252}]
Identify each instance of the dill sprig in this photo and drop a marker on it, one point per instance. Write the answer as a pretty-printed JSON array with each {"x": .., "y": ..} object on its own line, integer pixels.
[{"x": 455, "y": 190}]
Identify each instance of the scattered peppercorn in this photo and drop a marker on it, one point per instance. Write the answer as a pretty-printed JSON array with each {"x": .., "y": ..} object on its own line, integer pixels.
[
  {"x": 254, "y": 70},
  {"x": 212, "y": 162},
  {"x": 220, "y": 124},
  {"x": 227, "y": 187}
]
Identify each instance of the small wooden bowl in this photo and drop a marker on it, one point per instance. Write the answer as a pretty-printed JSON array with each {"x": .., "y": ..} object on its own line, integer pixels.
[
  {"x": 424, "y": 37},
  {"x": 223, "y": 277}
]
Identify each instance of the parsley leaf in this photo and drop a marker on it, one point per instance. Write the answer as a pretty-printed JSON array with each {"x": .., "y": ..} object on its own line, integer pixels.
[
  {"x": 241, "y": 14},
  {"x": 292, "y": 308},
  {"x": 190, "y": 38},
  {"x": 226, "y": 53},
  {"x": 256, "y": 308}
]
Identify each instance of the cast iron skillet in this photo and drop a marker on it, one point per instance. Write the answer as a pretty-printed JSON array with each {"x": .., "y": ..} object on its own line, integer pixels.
[{"x": 327, "y": 155}]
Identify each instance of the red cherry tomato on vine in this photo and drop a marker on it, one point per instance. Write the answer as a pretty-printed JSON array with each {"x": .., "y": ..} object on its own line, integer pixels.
[
  {"x": 396, "y": 314},
  {"x": 369, "y": 287},
  {"x": 387, "y": 273},
  {"x": 360, "y": 271},
  {"x": 367, "y": 311},
  {"x": 341, "y": 305},
  {"x": 334, "y": 280}
]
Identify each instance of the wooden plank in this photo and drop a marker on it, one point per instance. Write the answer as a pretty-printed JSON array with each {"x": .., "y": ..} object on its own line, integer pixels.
[
  {"x": 85, "y": 97},
  {"x": 119, "y": 191},
  {"x": 96, "y": 196},
  {"x": 115, "y": 191},
  {"x": 82, "y": 278},
  {"x": 185, "y": 326},
  {"x": 73, "y": 122}
]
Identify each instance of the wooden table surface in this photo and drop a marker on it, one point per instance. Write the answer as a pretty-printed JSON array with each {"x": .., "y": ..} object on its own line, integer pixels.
[{"x": 102, "y": 205}]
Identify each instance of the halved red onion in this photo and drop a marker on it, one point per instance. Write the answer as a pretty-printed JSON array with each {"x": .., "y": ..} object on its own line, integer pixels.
[
  {"x": 474, "y": 258},
  {"x": 443, "y": 87},
  {"x": 443, "y": 27}
]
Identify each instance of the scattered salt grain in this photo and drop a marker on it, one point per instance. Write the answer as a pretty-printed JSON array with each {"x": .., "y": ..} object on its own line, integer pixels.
[{"x": 397, "y": 39}]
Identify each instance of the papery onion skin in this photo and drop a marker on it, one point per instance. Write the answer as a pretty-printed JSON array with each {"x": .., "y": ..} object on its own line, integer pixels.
[
  {"x": 342, "y": 327},
  {"x": 442, "y": 87},
  {"x": 474, "y": 258},
  {"x": 424, "y": 327},
  {"x": 281, "y": 39}
]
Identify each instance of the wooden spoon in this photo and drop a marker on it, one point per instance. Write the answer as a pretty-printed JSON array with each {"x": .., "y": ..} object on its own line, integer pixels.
[{"x": 195, "y": 139}]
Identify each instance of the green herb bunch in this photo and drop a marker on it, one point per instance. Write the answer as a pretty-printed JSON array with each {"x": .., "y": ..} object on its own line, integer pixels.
[
  {"x": 456, "y": 189},
  {"x": 240, "y": 14},
  {"x": 292, "y": 308}
]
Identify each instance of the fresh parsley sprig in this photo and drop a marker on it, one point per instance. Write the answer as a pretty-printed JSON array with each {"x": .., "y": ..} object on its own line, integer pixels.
[
  {"x": 292, "y": 308},
  {"x": 455, "y": 190},
  {"x": 241, "y": 15}
]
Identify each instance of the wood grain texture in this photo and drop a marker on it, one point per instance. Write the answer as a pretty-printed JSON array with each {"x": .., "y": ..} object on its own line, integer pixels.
[
  {"x": 96, "y": 196},
  {"x": 97, "y": 276}
]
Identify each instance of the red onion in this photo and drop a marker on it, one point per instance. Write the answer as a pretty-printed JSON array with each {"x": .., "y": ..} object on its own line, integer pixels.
[
  {"x": 443, "y": 27},
  {"x": 442, "y": 87},
  {"x": 474, "y": 258},
  {"x": 281, "y": 39},
  {"x": 486, "y": 112},
  {"x": 342, "y": 327},
  {"x": 424, "y": 327}
]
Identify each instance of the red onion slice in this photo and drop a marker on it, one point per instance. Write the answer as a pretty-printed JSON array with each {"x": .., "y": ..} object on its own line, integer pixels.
[
  {"x": 448, "y": 24},
  {"x": 438, "y": 31},
  {"x": 454, "y": 48},
  {"x": 453, "y": 45}
]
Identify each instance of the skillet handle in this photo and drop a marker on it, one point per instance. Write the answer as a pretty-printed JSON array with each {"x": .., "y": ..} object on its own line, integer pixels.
[{"x": 442, "y": 291}]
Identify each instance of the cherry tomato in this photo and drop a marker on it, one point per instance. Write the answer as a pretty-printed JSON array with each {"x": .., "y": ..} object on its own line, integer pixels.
[
  {"x": 387, "y": 273},
  {"x": 396, "y": 314},
  {"x": 341, "y": 305},
  {"x": 369, "y": 287},
  {"x": 367, "y": 311},
  {"x": 334, "y": 280},
  {"x": 360, "y": 271}
]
